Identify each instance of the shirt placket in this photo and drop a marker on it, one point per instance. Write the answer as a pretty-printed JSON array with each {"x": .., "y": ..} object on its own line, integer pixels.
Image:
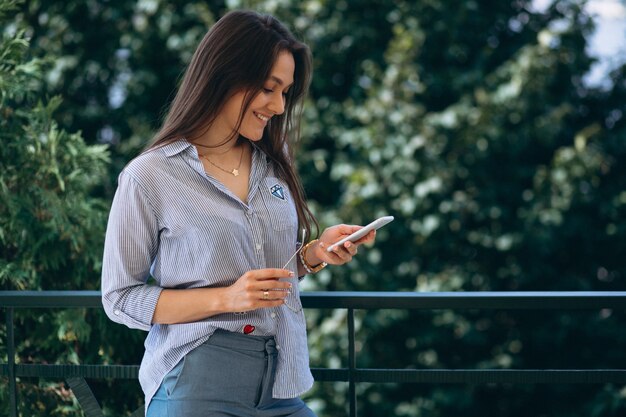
[{"x": 257, "y": 238}]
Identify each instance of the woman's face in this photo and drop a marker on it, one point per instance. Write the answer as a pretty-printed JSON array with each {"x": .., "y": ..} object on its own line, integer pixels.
[{"x": 268, "y": 103}]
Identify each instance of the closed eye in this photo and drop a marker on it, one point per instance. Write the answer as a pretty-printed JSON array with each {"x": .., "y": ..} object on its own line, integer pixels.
[{"x": 270, "y": 91}]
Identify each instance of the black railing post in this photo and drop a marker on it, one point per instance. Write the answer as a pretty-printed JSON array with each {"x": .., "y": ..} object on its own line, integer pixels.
[
  {"x": 351, "y": 363},
  {"x": 11, "y": 363}
]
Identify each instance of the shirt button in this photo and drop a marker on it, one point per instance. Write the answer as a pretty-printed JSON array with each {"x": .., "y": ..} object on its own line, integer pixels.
[
  {"x": 273, "y": 315},
  {"x": 117, "y": 312},
  {"x": 277, "y": 347},
  {"x": 259, "y": 246}
]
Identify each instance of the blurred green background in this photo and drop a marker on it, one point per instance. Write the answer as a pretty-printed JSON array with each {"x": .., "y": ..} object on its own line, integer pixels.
[{"x": 475, "y": 123}]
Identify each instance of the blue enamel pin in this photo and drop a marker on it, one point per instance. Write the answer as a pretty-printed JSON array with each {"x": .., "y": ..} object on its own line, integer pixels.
[{"x": 277, "y": 191}]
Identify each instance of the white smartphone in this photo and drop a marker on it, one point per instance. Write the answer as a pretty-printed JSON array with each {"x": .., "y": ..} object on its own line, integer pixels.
[{"x": 376, "y": 224}]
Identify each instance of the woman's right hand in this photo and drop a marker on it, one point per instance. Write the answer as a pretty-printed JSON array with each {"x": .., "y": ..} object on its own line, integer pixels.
[
  {"x": 247, "y": 293},
  {"x": 258, "y": 288}
]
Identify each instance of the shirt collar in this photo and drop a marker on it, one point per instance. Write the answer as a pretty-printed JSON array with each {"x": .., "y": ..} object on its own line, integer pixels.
[
  {"x": 179, "y": 146},
  {"x": 176, "y": 147}
]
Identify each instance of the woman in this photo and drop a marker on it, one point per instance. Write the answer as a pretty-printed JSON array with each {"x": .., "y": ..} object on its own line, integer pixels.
[{"x": 212, "y": 211}]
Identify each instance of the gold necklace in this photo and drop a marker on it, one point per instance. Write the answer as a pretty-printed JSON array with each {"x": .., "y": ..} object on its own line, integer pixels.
[{"x": 234, "y": 171}]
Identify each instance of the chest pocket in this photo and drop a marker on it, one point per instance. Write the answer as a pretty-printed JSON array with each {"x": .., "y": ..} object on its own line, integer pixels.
[{"x": 280, "y": 206}]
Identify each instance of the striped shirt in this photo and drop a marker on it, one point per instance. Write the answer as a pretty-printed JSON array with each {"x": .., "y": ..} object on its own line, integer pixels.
[{"x": 172, "y": 221}]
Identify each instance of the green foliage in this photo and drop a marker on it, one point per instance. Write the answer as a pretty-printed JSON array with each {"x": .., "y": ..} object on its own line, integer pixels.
[
  {"x": 51, "y": 227},
  {"x": 468, "y": 121},
  {"x": 502, "y": 173}
]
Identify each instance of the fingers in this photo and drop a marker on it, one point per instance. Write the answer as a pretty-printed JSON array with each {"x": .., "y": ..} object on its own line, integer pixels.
[
  {"x": 344, "y": 253},
  {"x": 260, "y": 288},
  {"x": 258, "y": 278},
  {"x": 273, "y": 294}
]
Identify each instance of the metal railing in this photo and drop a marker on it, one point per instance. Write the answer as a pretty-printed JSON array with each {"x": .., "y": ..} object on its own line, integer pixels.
[{"x": 75, "y": 374}]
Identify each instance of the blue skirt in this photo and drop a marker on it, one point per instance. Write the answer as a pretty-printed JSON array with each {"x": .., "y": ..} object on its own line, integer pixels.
[{"x": 231, "y": 375}]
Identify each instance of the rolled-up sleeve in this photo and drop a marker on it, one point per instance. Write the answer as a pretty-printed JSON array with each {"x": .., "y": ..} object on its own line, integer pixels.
[{"x": 130, "y": 248}]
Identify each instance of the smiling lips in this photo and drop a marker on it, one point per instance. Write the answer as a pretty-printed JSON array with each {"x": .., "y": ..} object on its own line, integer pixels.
[{"x": 261, "y": 117}]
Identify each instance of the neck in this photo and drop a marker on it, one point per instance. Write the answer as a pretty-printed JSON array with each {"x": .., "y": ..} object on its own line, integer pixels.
[
  {"x": 219, "y": 148},
  {"x": 215, "y": 141}
]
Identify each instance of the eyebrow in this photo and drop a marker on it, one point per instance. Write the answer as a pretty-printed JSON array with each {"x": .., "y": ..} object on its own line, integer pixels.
[{"x": 279, "y": 81}]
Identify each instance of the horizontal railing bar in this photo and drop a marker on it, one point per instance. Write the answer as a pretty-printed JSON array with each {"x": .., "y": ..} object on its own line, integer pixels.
[
  {"x": 527, "y": 300},
  {"x": 50, "y": 299},
  {"x": 533, "y": 300},
  {"x": 493, "y": 376},
  {"x": 65, "y": 371},
  {"x": 124, "y": 371},
  {"x": 427, "y": 376},
  {"x": 330, "y": 375}
]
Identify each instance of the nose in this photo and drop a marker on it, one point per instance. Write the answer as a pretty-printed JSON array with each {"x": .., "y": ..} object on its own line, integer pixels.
[{"x": 277, "y": 103}]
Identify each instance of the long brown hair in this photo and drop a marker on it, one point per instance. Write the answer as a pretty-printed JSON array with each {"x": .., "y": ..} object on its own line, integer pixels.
[{"x": 237, "y": 54}]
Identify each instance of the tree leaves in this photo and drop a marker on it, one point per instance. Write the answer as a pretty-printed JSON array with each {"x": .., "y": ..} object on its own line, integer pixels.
[{"x": 470, "y": 122}]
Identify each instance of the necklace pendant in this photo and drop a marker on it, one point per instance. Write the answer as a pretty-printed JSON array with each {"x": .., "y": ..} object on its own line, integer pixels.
[{"x": 235, "y": 172}]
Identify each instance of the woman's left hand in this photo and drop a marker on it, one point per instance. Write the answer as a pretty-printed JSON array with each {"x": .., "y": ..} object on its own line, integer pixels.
[{"x": 340, "y": 254}]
